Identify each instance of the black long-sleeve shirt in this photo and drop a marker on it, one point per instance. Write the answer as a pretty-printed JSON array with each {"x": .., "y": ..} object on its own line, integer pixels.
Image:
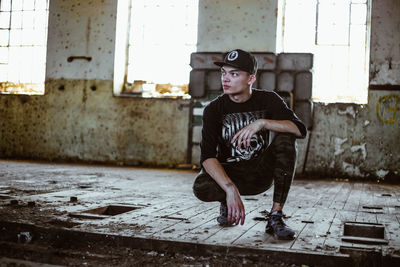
[{"x": 223, "y": 118}]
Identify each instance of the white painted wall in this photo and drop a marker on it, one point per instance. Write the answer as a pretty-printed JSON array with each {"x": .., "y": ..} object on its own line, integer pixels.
[
  {"x": 81, "y": 28},
  {"x": 228, "y": 24}
]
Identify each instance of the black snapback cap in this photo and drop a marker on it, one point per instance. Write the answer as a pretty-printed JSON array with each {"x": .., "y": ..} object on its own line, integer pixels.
[{"x": 240, "y": 59}]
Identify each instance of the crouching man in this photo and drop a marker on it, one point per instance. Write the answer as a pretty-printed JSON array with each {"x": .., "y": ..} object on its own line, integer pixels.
[{"x": 237, "y": 157}]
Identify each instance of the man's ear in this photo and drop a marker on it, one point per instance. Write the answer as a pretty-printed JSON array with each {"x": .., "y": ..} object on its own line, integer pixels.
[{"x": 252, "y": 79}]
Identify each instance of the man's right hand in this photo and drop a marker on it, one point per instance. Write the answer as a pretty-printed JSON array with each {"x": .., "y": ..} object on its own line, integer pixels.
[
  {"x": 236, "y": 212},
  {"x": 234, "y": 203}
]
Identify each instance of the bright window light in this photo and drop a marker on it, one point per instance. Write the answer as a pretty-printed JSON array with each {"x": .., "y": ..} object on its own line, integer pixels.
[
  {"x": 23, "y": 37},
  {"x": 162, "y": 36},
  {"x": 335, "y": 31}
]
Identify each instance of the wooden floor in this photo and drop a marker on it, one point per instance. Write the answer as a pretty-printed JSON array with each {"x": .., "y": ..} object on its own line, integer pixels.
[{"x": 165, "y": 208}]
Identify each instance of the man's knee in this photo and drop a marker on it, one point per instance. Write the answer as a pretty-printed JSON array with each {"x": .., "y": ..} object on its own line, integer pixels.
[
  {"x": 204, "y": 187},
  {"x": 285, "y": 142}
]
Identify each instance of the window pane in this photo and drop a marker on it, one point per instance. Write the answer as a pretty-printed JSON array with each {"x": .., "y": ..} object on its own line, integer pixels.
[
  {"x": 333, "y": 23},
  {"x": 15, "y": 37},
  {"x": 40, "y": 19},
  {"x": 22, "y": 58},
  {"x": 3, "y": 73},
  {"x": 295, "y": 40},
  {"x": 3, "y": 55},
  {"x": 39, "y": 37},
  {"x": 27, "y": 37},
  {"x": 358, "y": 36},
  {"x": 4, "y": 37},
  {"x": 14, "y": 64},
  {"x": 39, "y": 55},
  {"x": 26, "y": 64},
  {"x": 157, "y": 33},
  {"x": 27, "y": 19},
  {"x": 358, "y": 14},
  {"x": 5, "y": 20},
  {"x": 29, "y": 5},
  {"x": 16, "y": 5},
  {"x": 16, "y": 20},
  {"x": 41, "y": 4},
  {"x": 5, "y": 5}
]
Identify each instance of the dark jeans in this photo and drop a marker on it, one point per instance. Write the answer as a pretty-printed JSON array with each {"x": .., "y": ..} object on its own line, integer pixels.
[{"x": 275, "y": 165}]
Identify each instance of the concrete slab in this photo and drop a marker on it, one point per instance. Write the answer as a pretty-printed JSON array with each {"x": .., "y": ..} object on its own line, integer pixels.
[{"x": 166, "y": 216}]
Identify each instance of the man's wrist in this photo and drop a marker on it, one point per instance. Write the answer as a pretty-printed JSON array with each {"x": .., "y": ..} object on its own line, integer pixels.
[{"x": 230, "y": 187}]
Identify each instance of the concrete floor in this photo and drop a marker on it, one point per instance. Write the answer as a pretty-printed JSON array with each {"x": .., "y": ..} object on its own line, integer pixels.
[{"x": 160, "y": 213}]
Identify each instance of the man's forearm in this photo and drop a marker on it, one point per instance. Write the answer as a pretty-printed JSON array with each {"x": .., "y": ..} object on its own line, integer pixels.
[
  {"x": 283, "y": 126},
  {"x": 217, "y": 172}
]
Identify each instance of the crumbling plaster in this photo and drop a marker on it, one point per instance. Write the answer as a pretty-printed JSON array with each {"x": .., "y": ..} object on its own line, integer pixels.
[
  {"x": 359, "y": 141},
  {"x": 385, "y": 43},
  {"x": 81, "y": 120}
]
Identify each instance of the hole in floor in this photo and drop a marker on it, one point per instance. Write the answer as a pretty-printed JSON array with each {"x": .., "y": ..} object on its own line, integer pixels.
[
  {"x": 361, "y": 232},
  {"x": 104, "y": 212},
  {"x": 372, "y": 207}
]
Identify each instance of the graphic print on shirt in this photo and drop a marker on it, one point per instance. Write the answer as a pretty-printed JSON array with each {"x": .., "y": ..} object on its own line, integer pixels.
[{"x": 231, "y": 124}]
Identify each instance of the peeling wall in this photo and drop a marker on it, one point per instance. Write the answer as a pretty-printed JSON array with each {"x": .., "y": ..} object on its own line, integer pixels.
[
  {"x": 385, "y": 42},
  {"x": 81, "y": 120},
  {"x": 360, "y": 141}
]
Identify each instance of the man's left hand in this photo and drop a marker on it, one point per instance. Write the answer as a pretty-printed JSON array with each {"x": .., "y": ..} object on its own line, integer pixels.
[{"x": 245, "y": 134}]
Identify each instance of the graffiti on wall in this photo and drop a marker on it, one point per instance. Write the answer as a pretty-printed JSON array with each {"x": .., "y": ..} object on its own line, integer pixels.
[{"x": 387, "y": 107}]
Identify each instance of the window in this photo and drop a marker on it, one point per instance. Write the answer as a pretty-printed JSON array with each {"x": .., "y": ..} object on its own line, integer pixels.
[
  {"x": 23, "y": 37},
  {"x": 336, "y": 32},
  {"x": 162, "y": 36}
]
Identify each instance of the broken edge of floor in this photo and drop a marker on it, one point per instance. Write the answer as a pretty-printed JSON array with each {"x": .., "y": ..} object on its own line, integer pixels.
[{"x": 65, "y": 238}]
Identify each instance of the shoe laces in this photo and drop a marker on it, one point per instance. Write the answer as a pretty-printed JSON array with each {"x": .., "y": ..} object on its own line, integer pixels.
[{"x": 275, "y": 218}]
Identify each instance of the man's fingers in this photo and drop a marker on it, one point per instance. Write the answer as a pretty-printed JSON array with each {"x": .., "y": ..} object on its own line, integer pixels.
[
  {"x": 229, "y": 214},
  {"x": 243, "y": 218}
]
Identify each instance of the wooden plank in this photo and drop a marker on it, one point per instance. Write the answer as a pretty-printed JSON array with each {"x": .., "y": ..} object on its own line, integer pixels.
[
  {"x": 256, "y": 236},
  {"x": 236, "y": 232},
  {"x": 335, "y": 231},
  {"x": 210, "y": 228},
  {"x": 392, "y": 231},
  {"x": 181, "y": 228},
  {"x": 294, "y": 222},
  {"x": 342, "y": 196},
  {"x": 353, "y": 202},
  {"x": 315, "y": 233},
  {"x": 328, "y": 197}
]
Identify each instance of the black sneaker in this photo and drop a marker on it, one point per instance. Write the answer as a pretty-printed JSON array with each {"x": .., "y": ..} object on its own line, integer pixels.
[
  {"x": 222, "y": 219},
  {"x": 277, "y": 227}
]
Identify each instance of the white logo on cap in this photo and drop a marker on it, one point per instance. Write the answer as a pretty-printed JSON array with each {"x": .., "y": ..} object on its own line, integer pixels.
[{"x": 233, "y": 55}]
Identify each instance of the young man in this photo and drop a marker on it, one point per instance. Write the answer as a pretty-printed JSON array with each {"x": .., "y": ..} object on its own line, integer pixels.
[{"x": 237, "y": 156}]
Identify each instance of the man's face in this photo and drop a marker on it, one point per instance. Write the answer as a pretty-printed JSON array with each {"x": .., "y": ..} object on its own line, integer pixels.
[{"x": 235, "y": 81}]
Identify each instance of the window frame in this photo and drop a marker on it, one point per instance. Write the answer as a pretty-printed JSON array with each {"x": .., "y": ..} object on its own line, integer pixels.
[{"x": 20, "y": 85}]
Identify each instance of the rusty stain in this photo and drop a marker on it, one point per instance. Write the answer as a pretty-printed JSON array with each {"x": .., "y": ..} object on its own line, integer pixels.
[
  {"x": 88, "y": 36},
  {"x": 21, "y": 88},
  {"x": 199, "y": 59},
  {"x": 268, "y": 60},
  {"x": 216, "y": 58}
]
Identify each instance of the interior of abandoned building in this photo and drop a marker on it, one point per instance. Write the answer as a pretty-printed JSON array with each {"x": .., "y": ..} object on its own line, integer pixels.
[{"x": 101, "y": 108}]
